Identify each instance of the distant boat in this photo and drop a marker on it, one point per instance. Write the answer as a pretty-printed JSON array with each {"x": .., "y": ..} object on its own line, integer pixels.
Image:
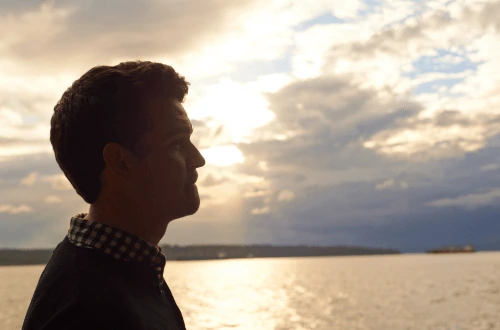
[
  {"x": 222, "y": 255},
  {"x": 454, "y": 249}
]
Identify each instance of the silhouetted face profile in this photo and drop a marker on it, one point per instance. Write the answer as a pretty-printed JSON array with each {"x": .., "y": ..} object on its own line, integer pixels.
[{"x": 164, "y": 179}]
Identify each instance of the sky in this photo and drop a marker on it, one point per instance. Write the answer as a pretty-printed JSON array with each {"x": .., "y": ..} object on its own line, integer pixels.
[{"x": 373, "y": 123}]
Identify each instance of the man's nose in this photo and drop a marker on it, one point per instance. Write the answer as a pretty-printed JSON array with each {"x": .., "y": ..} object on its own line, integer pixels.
[
  {"x": 202, "y": 159},
  {"x": 198, "y": 159}
]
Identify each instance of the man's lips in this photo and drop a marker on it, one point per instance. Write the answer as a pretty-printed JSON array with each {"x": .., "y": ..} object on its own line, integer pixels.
[{"x": 191, "y": 180}]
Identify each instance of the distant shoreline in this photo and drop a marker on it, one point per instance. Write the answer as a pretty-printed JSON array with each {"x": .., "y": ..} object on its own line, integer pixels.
[{"x": 20, "y": 257}]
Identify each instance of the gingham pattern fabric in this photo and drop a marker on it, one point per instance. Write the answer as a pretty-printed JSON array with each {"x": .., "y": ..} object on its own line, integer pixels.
[{"x": 115, "y": 242}]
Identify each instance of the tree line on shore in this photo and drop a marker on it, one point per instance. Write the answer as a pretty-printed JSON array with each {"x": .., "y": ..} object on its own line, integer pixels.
[{"x": 209, "y": 252}]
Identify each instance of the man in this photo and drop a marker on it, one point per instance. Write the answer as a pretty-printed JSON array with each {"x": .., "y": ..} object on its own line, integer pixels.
[{"x": 122, "y": 138}]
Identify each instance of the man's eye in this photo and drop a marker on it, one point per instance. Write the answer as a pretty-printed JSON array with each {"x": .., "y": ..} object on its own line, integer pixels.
[{"x": 177, "y": 143}]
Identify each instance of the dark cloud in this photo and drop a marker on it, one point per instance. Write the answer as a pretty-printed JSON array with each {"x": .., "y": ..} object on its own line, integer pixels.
[
  {"x": 46, "y": 224},
  {"x": 449, "y": 118},
  {"x": 335, "y": 104},
  {"x": 486, "y": 17},
  {"x": 99, "y": 32},
  {"x": 337, "y": 201},
  {"x": 14, "y": 7},
  {"x": 356, "y": 213},
  {"x": 330, "y": 118},
  {"x": 17, "y": 167}
]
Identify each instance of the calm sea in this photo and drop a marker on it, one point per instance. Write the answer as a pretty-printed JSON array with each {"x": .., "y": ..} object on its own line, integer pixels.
[{"x": 366, "y": 292}]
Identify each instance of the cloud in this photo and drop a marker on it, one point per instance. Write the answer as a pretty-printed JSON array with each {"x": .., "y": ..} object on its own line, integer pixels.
[
  {"x": 15, "y": 168},
  {"x": 469, "y": 201},
  {"x": 211, "y": 180},
  {"x": 490, "y": 167},
  {"x": 324, "y": 122},
  {"x": 255, "y": 192},
  {"x": 13, "y": 209},
  {"x": 449, "y": 134},
  {"x": 18, "y": 137},
  {"x": 340, "y": 136},
  {"x": 201, "y": 37},
  {"x": 30, "y": 179},
  {"x": 58, "y": 182},
  {"x": 198, "y": 39},
  {"x": 236, "y": 109},
  {"x": 320, "y": 128},
  {"x": 262, "y": 210},
  {"x": 387, "y": 46},
  {"x": 208, "y": 201},
  {"x": 384, "y": 185},
  {"x": 391, "y": 183},
  {"x": 69, "y": 32},
  {"x": 381, "y": 127},
  {"x": 51, "y": 199},
  {"x": 286, "y": 195}
]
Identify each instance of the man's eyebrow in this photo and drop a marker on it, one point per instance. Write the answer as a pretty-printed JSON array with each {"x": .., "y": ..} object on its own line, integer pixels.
[{"x": 184, "y": 129}]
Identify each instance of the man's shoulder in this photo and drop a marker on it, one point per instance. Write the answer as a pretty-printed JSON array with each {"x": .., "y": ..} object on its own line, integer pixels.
[
  {"x": 80, "y": 313},
  {"x": 74, "y": 282},
  {"x": 79, "y": 272}
]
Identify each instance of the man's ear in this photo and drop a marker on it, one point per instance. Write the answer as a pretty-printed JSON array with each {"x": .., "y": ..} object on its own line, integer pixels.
[{"x": 116, "y": 158}]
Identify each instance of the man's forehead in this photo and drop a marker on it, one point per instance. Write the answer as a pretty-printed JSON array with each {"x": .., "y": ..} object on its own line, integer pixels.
[
  {"x": 178, "y": 118},
  {"x": 169, "y": 116},
  {"x": 167, "y": 107}
]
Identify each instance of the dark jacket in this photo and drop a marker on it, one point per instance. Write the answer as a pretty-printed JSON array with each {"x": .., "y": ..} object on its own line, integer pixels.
[{"x": 87, "y": 289}]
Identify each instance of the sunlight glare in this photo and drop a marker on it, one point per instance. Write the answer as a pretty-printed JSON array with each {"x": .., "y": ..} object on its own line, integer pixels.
[
  {"x": 239, "y": 109},
  {"x": 223, "y": 155}
]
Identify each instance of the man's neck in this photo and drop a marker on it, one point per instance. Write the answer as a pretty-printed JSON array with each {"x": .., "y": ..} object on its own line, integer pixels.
[{"x": 141, "y": 225}]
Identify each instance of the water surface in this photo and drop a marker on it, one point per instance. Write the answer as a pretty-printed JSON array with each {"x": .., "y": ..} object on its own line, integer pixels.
[{"x": 410, "y": 292}]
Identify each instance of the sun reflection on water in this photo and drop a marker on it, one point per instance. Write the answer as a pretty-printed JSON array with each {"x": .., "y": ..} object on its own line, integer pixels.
[{"x": 243, "y": 299}]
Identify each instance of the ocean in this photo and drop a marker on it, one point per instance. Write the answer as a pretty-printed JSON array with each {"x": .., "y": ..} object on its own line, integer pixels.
[{"x": 407, "y": 291}]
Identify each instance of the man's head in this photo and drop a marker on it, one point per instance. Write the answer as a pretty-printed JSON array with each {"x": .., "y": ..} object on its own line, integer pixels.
[{"x": 121, "y": 133}]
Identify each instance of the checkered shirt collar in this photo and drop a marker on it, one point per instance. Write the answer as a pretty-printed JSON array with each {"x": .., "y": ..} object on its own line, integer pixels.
[{"x": 117, "y": 243}]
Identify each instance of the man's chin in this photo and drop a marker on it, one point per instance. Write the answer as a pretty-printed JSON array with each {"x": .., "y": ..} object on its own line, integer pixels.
[
  {"x": 193, "y": 204},
  {"x": 192, "y": 200},
  {"x": 188, "y": 209},
  {"x": 194, "y": 209}
]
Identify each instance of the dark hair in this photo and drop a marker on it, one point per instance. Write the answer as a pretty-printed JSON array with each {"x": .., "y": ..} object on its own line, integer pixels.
[{"x": 107, "y": 104}]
